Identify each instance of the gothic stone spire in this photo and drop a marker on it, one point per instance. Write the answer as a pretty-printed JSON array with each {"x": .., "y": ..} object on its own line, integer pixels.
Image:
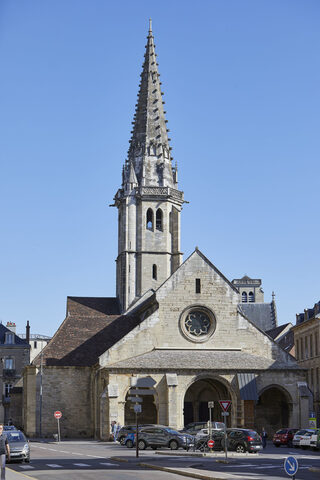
[{"x": 149, "y": 150}]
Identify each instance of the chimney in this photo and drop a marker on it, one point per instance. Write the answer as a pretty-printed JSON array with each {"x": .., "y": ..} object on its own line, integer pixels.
[
  {"x": 28, "y": 332},
  {"x": 11, "y": 326}
]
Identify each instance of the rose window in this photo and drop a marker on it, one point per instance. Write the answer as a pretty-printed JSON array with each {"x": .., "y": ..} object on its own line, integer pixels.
[{"x": 197, "y": 323}]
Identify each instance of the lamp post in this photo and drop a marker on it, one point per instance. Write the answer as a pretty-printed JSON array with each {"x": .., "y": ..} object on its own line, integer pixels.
[{"x": 40, "y": 400}]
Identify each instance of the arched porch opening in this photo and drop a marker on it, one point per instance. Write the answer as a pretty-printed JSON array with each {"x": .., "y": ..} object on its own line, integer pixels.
[
  {"x": 273, "y": 410},
  {"x": 198, "y": 395},
  {"x": 149, "y": 413}
]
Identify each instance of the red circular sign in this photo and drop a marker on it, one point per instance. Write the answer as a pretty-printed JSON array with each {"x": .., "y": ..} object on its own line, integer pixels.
[
  {"x": 57, "y": 414},
  {"x": 210, "y": 443}
]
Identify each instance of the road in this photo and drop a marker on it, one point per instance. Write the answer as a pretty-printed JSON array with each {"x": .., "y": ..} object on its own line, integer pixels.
[{"x": 87, "y": 460}]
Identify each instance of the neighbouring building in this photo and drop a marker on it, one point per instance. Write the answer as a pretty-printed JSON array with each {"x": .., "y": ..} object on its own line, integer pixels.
[
  {"x": 37, "y": 342},
  {"x": 307, "y": 349},
  {"x": 199, "y": 336},
  {"x": 14, "y": 355}
]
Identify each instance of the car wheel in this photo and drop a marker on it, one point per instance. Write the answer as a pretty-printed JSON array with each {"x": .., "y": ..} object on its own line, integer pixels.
[
  {"x": 173, "y": 445},
  {"x": 277, "y": 445},
  {"x": 129, "y": 444},
  {"x": 142, "y": 445},
  {"x": 240, "y": 448},
  {"x": 121, "y": 440}
]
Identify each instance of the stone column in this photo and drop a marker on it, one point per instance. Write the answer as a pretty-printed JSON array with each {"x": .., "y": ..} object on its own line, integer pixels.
[{"x": 172, "y": 384}]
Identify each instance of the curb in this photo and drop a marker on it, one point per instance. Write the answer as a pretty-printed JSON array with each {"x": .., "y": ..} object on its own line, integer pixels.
[
  {"x": 119, "y": 459},
  {"x": 180, "y": 472},
  {"x": 20, "y": 473}
]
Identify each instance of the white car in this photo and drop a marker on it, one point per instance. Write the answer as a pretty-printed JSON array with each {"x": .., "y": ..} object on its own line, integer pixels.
[
  {"x": 298, "y": 435},
  {"x": 315, "y": 440},
  {"x": 305, "y": 440},
  {"x": 204, "y": 432}
]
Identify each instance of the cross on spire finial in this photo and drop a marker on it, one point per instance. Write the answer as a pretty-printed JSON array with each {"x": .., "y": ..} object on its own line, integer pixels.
[{"x": 150, "y": 25}]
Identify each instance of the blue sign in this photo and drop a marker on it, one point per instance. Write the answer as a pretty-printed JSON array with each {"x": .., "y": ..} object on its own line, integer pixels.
[{"x": 291, "y": 466}]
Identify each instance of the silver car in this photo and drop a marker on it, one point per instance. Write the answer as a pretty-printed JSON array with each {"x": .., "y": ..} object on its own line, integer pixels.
[
  {"x": 298, "y": 435},
  {"x": 19, "y": 446}
]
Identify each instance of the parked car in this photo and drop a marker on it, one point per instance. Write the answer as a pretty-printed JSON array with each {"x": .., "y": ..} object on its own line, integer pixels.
[
  {"x": 204, "y": 432},
  {"x": 9, "y": 428},
  {"x": 123, "y": 432},
  {"x": 315, "y": 440},
  {"x": 284, "y": 437},
  {"x": 201, "y": 441},
  {"x": 161, "y": 436},
  {"x": 19, "y": 446},
  {"x": 195, "y": 427},
  {"x": 298, "y": 435},
  {"x": 130, "y": 440},
  {"x": 305, "y": 440},
  {"x": 243, "y": 440}
]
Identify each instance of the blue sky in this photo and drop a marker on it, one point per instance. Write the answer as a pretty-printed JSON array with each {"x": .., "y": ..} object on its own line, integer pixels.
[{"x": 241, "y": 81}]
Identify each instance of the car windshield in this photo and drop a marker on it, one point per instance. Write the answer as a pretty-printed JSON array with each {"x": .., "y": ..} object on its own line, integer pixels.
[
  {"x": 16, "y": 437},
  {"x": 301, "y": 432},
  {"x": 219, "y": 425},
  {"x": 280, "y": 432}
]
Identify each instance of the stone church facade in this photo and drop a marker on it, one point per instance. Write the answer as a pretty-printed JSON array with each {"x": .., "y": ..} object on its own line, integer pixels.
[{"x": 183, "y": 324}]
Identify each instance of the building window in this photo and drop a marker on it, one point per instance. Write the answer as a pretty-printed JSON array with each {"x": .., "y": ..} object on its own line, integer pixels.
[
  {"x": 244, "y": 297},
  {"x": 149, "y": 219},
  {"x": 159, "y": 220},
  {"x": 301, "y": 349},
  {"x": 198, "y": 285},
  {"x": 251, "y": 297},
  {"x": 311, "y": 347},
  {"x": 35, "y": 342},
  {"x": 9, "y": 338},
  {"x": 316, "y": 345},
  {"x": 297, "y": 350},
  {"x": 7, "y": 389},
  {"x": 8, "y": 364},
  {"x": 154, "y": 272}
]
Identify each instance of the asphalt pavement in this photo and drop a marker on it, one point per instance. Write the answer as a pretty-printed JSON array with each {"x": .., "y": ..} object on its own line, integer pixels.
[{"x": 84, "y": 460}]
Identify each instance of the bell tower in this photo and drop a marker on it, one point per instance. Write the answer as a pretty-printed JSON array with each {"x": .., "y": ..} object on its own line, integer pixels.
[{"x": 149, "y": 202}]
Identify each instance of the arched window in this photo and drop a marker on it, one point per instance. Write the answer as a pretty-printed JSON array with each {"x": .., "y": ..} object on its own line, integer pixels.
[
  {"x": 149, "y": 219},
  {"x": 244, "y": 297},
  {"x": 251, "y": 297},
  {"x": 159, "y": 219},
  {"x": 154, "y": 272}
]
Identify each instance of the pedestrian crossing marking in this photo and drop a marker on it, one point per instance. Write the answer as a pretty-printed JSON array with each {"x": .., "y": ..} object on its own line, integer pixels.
[
  {"x": 54, "y": 465},
  {"x": 26, "y": 467},
  {"x": 81, "y": 464},
  {"x": 109, "y": 464}
]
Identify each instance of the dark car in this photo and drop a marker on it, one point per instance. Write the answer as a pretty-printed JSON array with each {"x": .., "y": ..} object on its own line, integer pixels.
[
  {"x": 124, "y": 431},
  {"x": 243, "y": 440},
  {"x": 161, "y": 436},
  {"x": 284, "y": 437},
  {"x": 19, "y": 446},
  {"x": 201, "y": 442},
  {"x": 195, "y": 427}
]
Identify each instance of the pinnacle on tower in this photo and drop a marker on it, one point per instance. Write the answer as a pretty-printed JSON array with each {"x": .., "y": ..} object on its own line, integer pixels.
[{"x": 149, "y": 149}]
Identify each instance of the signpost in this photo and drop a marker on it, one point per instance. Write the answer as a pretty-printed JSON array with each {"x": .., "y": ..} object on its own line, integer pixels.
[
  {"x": 225, "y": 404},
  {"x": 137, "y": 386},
  {"x": 210, "y": 406},
  {"x": 291, "y": 466},
  {"x": 57, "y": 414}
]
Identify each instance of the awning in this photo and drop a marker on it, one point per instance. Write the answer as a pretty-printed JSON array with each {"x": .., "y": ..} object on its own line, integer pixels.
[{"x": 247, "y": 386}]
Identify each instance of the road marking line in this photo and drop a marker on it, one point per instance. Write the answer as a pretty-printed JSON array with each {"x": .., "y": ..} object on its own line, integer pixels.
[
  {"x": 53, "y": 465},
  {"x": 110, "y": 464},
  {"x": 268, "y": 466},
  {"x": 241, "y": 466},
  {"x": 81, "y": 464},
  {"x": 26, "y": 467}
]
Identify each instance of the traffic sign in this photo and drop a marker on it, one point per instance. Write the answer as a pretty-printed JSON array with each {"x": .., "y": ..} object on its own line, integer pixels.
[
  {"x": 135, "y": 399},
  {"x": 57, "y": 414},
  {"x": 210, "y": 404},
  {"x": 291, "y": 466},
  {"x": 225, "y": 414},
  {"x": 210, "y": 443},
  {"x": 225, "y": 404},
  {"x": 137, "y": 408}
]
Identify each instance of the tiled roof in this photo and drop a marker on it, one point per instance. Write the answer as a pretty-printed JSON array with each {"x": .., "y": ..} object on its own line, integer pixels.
[
  {"x": 261, "y": 314},
  {"x": 17, "y": 339},
  {"x": 166, "y": 359},
  {"x": 91, "y": 327},
  {"x": 274, "y": 332}
]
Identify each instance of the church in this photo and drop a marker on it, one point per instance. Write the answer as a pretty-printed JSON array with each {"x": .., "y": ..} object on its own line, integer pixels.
[{"x": 197, "y": 335}]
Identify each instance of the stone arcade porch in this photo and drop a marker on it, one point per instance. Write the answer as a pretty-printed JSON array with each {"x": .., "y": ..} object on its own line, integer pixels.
[{"x": 187, "y": 379}]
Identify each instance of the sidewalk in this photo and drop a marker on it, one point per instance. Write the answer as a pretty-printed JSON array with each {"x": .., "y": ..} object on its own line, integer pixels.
[{"x": 13, "y": 475}]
